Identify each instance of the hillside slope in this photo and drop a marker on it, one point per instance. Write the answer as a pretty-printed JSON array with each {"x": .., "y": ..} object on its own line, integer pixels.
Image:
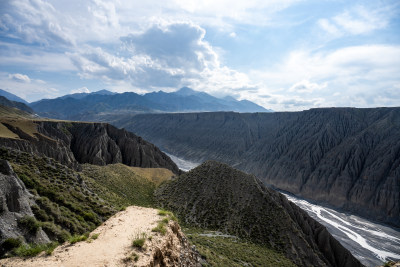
[
  {"x": 345, "y": 157},
  {"x": 73, "y": 143},
  {"x": 171, "y": 249},
  {"x": 14, "y": 104},
  {"x": 218, "y": 197}
]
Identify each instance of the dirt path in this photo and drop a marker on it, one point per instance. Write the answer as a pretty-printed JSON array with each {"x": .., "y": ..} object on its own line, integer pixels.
[{"x": 113, "y": 245}]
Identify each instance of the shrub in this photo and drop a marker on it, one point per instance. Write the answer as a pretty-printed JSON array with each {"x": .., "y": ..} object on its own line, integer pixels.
[
  {"x": 29, "y": 223},
  {"x": 9, "y": 244},
  {"x": 160, "y": 228},
  {"x": 55, "y": 232},
  {"x": 94, "y": 236},
  {"x": 138, "y": 242},
  {"x": 78, "y": 238}
]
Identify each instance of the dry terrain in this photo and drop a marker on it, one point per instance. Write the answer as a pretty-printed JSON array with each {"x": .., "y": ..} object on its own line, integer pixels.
[{"x": 112, "y": 247}]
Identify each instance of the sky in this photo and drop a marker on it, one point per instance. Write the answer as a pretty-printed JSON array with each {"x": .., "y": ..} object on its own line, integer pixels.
[{"x": 285, "y": 55}]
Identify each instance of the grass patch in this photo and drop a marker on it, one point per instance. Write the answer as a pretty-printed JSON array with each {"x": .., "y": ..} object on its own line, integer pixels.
[
  {"x": 139, "y": 240},
  {"x": 155, "y": 175},
  {"x": 78, "y": 238},
  {"x": 162, "y": 224},
  {"x": 160, "y": 228},
  {"x": 31, "y": 250},
  {"x": 94, "y": 236},
  {"x": 129, "y": 187},
  {"x": 230, "y": 251},
  {"x": 133, "y": 257},
  {"x": 138, "y": 243}
]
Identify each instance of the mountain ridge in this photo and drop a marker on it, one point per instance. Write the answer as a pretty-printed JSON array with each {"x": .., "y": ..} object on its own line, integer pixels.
[
  {"x": 12, "y": 97},
  {"x": 75, "y": 143},
  {"x": 218, "y": 197},
  {"x": 346, "y": 158},
  {"x": 87, "y": 106}
]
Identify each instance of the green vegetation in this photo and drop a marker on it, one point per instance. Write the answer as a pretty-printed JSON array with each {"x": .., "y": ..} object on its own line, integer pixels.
[
  {"x": 162, "y": 224},
  {"x": 121, "y": 185},
  {"x": 9, "y": 244},
  {"x": 94, "y": 236},
  {"x": 133, "y": 257},
  {"x": 139, "y": 240},
  {"x": 63, "y": 202},
  {"x": 231, "y": 251},
  {"x": 160, "y": 228},
  {"x": 71, "y": 204},
  {"x": 65, "y": 205},
  {"x": 138, "y": 243},
  {"x": 29, "y": 223},
  {"x": 156, "y": 175},
  {"x": 30, "y": 250},
  {"x": 169, "y": 214},
  {"x": 78, "y": 238}
]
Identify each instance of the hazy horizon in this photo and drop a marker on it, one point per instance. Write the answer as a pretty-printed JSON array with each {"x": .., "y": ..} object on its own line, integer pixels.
[{"x": 286, "y": 55}]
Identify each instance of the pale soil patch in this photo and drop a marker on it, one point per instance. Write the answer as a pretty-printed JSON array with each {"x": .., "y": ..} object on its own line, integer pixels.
[{"x": 112, "y": 247}]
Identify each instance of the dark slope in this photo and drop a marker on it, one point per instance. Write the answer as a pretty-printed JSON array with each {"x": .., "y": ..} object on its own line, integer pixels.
[
  {"x": 345, "y": 157},
  {"x": 95, "y": 105},
  {"x": 216, "y": 196},
  {"x": 12, "y": 97},
  {"x": 14, "y": 104},
  {"x": 72, "y": 143}
]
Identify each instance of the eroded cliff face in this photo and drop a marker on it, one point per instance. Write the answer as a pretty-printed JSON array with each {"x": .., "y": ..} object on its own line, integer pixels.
[
  {"x": 345, "y": 157},
  {"x": 72, "y": 143},
  {"x": 15, "y": 204},
  {"x": 216, "y": 196}
]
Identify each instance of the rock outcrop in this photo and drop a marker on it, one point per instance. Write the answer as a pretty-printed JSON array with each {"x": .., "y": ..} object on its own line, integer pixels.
[
  {"x": 346, "y": 158},
  {"x": 174, "y": 250},
  {"x": 216, "y": 196},
  {"x": 72, "y": 143},
  {"x": 15, "y": 204}
]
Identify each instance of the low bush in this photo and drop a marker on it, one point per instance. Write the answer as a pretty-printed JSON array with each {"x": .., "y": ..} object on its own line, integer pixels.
[{"x": 29, "y": 223}]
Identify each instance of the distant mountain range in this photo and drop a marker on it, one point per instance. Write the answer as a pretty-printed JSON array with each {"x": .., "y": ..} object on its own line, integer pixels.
[
  {"x": 14, "y": 104},
  {"x": 92, "y": 106},
  {"x": 11, "y": 96}
]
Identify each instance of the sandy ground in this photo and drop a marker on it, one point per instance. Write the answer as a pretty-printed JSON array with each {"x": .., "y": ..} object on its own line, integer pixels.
[{"x": 113, "y": 245}]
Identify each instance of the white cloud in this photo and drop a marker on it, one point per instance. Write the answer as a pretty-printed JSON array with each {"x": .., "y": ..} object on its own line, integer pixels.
[
  {"x": 163, "y": 56},
  {"x": 305, "y": 86},
  {"x": 358, "y": 20},
  {"x": 33, "y": 21},
  {"x": 30, "y": 91},
  {"x": 80, "y": 90},
  {"x": 17, "y": 55},
  {"x": 351, "y": 76},
  {"x": 329, "y": 27},
  {"x": 19, "y": 77},
  {"x": 255, "y": 12}
]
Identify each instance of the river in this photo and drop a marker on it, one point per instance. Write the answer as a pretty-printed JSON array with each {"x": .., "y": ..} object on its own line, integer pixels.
[{"x": 371, "y": 243}]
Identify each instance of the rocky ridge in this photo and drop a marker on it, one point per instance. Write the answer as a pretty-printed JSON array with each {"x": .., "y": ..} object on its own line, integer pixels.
[
  {"x": 218, "y": 197},
  {"x": 346, "y": 158},
  {"x": 73, "y": 143}
]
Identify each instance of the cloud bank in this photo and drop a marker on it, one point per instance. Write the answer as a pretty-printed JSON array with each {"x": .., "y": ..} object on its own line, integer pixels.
[{"x": 344, "y": 54}]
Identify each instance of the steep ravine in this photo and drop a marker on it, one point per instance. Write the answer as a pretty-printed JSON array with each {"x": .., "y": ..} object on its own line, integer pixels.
[
  {"x": 72, "y": 143},
  {"x": 347, "y": 158}
]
